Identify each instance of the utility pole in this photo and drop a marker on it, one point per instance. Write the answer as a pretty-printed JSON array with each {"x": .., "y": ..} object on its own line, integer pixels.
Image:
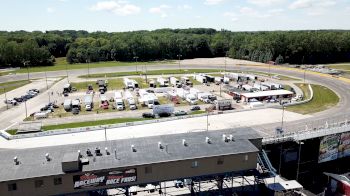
[
  {"x": 225, "y": 63},
  {"x": 136, "y": 57},
  {"x": 179, "y": 56},
  {"x": 67, "y": 72},
  {"x": 302, "y": 62}
]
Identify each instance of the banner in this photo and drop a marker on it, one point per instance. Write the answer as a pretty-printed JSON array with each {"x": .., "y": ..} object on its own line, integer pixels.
[
  {"x": 344, "y": 145},
  {"x": 89, "y": 180},
  {"x": 329, "y": 148}
]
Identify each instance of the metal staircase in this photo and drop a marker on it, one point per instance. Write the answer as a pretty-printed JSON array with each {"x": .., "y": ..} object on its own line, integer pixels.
[{"x": 265, "y": 163}]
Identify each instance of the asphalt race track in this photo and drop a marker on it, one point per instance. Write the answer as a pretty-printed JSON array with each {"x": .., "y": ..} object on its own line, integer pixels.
[{"x": 335, "y": 114}]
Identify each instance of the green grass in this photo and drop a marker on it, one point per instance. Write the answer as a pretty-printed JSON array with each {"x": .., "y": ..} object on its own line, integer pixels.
[
  {"x": 91, "y": 123},
  {"x": 198, "y": 112},
  {"x": 305, "y": 89},
  {"x": 113, "y": 84},
  {"x": 61, "y": 64},
  {"x": 323, "y": 99},
  {"x": 9, "y": 86},
  {"x": 12, "y": 131},
  {"x": 340, "y": 66},
  {"x": 152, "y": 72}
]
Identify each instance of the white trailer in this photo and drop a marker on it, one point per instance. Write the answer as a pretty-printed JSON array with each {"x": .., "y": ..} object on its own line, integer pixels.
[
  {"x": 88, "y": 102},
  {"x": 76, "y": 103},
  {"x": 67, "y": 105},
  {"x": 40, "y": 115},
  {"x": 260, "y": 87},
  {"x": 226, "y": 80},
  {"x": 200, "y": 78},
  {"x": 163, "y": 82},
  {"x": 219, "y": 80},
  {"x": 272, "y": 86},
  {"x": 225, "y": 104},
  {"x": 147, "y": 99},
  {"x": 118, "y": 101},
  {"x": 130, "y": 99},
  {"x": 175, "y": 82},
  {"x": 130, "y": 83}
]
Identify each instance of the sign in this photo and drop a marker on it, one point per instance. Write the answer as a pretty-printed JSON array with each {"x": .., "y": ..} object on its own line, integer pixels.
[
  {"x": 117, "y": 177},
  {"x": 344, "y": 145},
  {"x": 159, "y": 109},
  {"x": 329, "y": 148}
]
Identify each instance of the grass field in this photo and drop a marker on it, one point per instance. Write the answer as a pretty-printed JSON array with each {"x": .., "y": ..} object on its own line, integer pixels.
[
  {"x": 9, "y": 86},
  {"x": 61, "y": 64},
  {"x": 113, "y": 84},
  {"x": 323, "y": 99},
  {"x": 152, "y": 72},
  {"x": 340, "y": 66}
]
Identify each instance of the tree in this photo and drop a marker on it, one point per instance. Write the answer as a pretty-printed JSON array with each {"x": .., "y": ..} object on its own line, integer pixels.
[{"x": 279, "y": 60}]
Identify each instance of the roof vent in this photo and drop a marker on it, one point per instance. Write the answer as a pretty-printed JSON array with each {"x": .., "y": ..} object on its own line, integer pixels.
[
  {"x": 160, "y": 146},
  {"x": 15, "y": 159},
  {"x": 47, "y": 156},
  {"x": 107, "y": 152},
  {"x": 98, "y": 151},
  {"x": 133, "y": 148},
  {"x": 88, "y": 152},
  {"x": 207, "y": 140},
  {"x": 184, "y": 143},
  {"x": 224, "y": 138}
]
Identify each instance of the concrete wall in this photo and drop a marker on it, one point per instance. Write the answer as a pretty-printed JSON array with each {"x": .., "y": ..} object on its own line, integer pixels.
[{"x": 160, "y": 172}]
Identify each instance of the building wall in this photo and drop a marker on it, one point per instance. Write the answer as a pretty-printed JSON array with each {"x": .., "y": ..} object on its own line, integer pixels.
[{"x": 160, "y": 172}]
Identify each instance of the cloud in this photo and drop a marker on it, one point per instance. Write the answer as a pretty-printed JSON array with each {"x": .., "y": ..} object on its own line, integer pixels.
[
  {"x": 50, "y": 10},
  {"x": 265, "y": 3},
  {"x": 250, "y": 12},
  {"x": 119, "y": 7},
  {"x": 184, "y": 7},
  {"x": 233, "y": 16},
  {"x": 213, "y": 2},
  {"x": 302, "y": 4},
  {"x": 160, "y": 10}
]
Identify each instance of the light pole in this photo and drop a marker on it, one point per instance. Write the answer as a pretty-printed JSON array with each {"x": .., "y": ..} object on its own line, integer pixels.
[
  {"x": 179, "y": 56},
  {"x": 25, "y": 63},
  {"x": 136, "y": 57},
  {"x": 25, "y": 105},
  {"x": 302, "y": 62},
  {"x": 88, "y": 62},
  {"x": 300, "y": 143},
  {"x": 7, "y": 106},
  {"x": 225, "y": 62},
  {"x": 47, "y": 86}
]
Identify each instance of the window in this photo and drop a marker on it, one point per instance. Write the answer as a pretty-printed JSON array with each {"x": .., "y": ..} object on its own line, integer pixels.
[
  {"x": 39, "y": 183},
  {"x": 148, "y": 170},
  {"x": 220, "y": 161},
  {"x": 57, "y": 181},
  {"x": 12, "y": 187},
  {"x": 246, "y": 157},
  {"x": 194, "y": 164}
]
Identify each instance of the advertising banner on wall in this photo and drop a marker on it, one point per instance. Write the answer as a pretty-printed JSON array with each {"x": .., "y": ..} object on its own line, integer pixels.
[
  {"x": 97, "y": 179},
  {"x": 344, "y": 145},
  {"x": 329, "y": 148}
]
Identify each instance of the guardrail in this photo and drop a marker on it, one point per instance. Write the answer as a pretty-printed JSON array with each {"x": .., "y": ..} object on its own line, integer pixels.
[{"x": 308, "y": 134}]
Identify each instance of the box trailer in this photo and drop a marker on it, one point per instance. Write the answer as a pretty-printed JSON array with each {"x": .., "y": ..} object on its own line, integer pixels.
[
  {"x": 163, "y": 82},
  {"x": 200, "y": 78},
  {"x": 175, "y": 82},
  {"x": 225, "y": 104},
  {"x": 67, "y": 105},
  {"x": 88, "y": 102}
]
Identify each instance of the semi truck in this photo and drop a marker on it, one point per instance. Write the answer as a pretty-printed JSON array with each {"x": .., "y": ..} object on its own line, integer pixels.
[
  {"x": 162, "y": 82},
  {"x": 130, "y": 99},
  {"x": 175, "y": 82},
  {"x": 118, "y": 101}
]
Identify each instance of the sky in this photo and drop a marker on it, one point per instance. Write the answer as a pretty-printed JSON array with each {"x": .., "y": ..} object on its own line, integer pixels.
[{"x": 129, "y": 15}]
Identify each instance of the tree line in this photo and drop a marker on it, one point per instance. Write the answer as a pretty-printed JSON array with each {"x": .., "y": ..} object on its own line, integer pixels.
[{"x": 37, "y": 48}]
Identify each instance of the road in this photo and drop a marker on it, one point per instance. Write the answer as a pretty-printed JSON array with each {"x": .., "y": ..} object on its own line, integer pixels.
[{"x": 337, "y": 113}]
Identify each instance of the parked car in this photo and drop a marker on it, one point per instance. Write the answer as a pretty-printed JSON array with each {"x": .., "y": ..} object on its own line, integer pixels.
[
  {"x": 164, "y": 114},
  {"x": 10, "y": 101},
  {"x": 180, "y": 113},
  {"x": 195, "y": 108},
  {"x": 18, "y": 99},
  {"x": 35, "y": 90},
  {"x": 75, "y": 111},
  {"x": 148, "y": 115}
]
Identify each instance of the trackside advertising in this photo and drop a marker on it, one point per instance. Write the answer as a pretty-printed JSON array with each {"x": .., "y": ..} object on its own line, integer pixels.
[
  {"x": 117, "y": 177},
  {"x": 334, "y": 146}
]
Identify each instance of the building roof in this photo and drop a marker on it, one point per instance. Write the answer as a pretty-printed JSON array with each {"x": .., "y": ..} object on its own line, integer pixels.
[
  {"x": 267, "y": 93},
  {"x": 33, "y": 162}
]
